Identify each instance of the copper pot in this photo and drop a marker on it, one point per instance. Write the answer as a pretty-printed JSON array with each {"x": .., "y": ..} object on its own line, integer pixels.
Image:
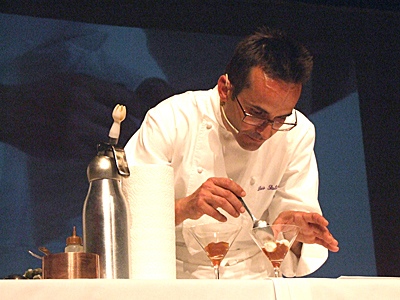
[{"x": 70, "y": 265}]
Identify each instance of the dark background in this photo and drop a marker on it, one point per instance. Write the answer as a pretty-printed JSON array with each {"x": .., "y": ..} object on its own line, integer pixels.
[{"x": 363, "y": 33}]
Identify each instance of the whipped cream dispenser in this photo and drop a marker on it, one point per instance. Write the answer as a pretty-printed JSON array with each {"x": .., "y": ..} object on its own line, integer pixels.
[{"x": 105, "y": 211}]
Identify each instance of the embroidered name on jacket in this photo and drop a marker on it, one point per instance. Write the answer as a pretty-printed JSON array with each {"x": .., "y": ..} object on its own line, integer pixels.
[{"x": 270, "y": 188}]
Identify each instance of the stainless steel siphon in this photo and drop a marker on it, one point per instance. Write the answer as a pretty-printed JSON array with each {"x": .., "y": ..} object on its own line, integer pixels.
[{"x": 105, "y": 212}]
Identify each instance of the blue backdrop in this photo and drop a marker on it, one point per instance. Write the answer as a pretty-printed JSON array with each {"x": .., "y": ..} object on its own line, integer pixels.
[{"x": 59, "y": 83}]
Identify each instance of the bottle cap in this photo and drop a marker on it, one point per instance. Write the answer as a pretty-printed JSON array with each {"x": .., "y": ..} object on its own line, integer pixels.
[{"x": 74, "y": 239}]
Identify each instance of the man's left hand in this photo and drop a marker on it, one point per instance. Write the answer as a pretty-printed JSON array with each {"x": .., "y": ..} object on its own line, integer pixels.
[{"x": 313, "y": 229}]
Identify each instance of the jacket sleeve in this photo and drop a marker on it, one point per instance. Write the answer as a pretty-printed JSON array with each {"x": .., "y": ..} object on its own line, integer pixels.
[{"x": 153, "y": 142}]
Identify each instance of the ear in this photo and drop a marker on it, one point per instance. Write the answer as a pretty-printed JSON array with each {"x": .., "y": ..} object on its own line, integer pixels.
[{"x": 224, "y": 86}]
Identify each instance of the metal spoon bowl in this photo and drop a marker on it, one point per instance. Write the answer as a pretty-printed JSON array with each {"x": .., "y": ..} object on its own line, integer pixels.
[{"x": 258, "y": 224}]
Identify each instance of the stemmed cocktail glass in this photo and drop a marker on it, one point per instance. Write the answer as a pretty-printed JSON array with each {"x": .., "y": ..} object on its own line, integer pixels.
[
  {"x": 276, "y": 247},
  {"x": 215, "y": 239}
]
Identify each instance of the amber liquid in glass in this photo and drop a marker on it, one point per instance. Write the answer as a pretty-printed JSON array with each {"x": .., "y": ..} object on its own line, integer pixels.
[
  {"x": 278, "y": 254},
  {"x": 216, "y": 252}
]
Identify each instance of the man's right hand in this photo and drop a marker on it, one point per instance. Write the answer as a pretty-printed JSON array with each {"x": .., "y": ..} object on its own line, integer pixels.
[{"x": 215, "y": 192}]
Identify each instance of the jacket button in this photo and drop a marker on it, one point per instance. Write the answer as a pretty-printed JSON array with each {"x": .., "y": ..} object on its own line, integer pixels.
[
  {"x": 209, "y": 126},
  {"x": 200, "y": 170},
  {"x": 252, "y": 180}
]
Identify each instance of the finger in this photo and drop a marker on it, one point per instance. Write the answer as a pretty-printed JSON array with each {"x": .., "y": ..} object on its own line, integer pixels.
[
  {"x": 210, "y": 209},
  {"x": 215, "y": 214},
  {"x": 230, "y": 185},
  {"x": 315, "y": 218},
  {"x": 328, "y": 238},
  {"x": 213, "y": 197},
  {"x": 330, "y": 246},
  {"x": 322, "y": 233},
  {"x": 232, "y": 206},
  {"x": 216, "y": 202},
  {"x": 311, "y": 231},
  {"x": 224, "y": 196}
]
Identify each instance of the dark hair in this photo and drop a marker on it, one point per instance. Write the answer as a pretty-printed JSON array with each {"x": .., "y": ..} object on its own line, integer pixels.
[{"x": 279, "y": 56}]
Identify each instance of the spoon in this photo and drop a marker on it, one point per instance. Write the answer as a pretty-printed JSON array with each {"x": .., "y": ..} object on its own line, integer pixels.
[
  {"x": 35, "y": 255},
  {"x": 118, "y": 114},
  {"x": 257, "y": 224}
]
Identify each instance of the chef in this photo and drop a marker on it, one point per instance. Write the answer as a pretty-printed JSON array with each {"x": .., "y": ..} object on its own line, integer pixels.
[{"x": 242, "y": 138}]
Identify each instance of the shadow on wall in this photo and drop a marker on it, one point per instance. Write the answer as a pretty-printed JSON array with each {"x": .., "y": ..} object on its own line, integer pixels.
[
  {"x": 58, "y": 121},
  {"x": 61, "y": 117}
]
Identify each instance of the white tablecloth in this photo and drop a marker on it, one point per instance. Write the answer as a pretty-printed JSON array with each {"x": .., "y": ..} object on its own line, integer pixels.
[
  {"x": 146, "y": 289},
  {"x": 351, "y": 288},
  {"x": 271, "y": 289}
]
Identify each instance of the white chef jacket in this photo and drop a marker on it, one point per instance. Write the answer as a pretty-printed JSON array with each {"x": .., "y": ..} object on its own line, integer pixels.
[{"x": 185, "y": 132}]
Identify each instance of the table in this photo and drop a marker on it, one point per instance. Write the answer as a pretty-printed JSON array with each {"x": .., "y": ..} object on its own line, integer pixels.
[
  {"x": 149, "y": 289},
  {"x": 344, "y": 288}
]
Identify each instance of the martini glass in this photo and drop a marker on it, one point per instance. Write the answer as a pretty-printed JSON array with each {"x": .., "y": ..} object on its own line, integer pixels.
[
  {"x": 215, "y": 239},
  {"x": 276, "y": 247}
]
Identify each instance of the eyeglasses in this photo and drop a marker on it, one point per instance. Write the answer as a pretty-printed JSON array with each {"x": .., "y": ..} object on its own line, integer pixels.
[{"x": 278, "y": 123}]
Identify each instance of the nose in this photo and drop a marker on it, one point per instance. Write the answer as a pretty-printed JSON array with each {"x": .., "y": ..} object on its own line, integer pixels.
[{"x": 265, "y": 130}]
